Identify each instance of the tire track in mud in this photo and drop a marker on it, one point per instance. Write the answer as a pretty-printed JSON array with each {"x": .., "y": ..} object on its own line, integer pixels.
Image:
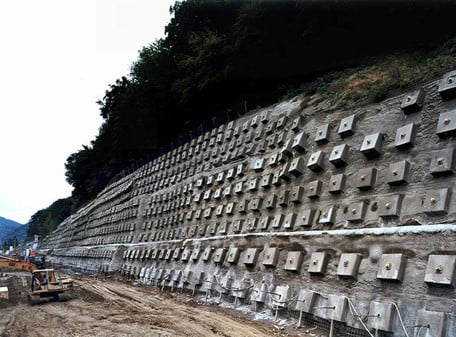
[{"x": 106, "y": 308}]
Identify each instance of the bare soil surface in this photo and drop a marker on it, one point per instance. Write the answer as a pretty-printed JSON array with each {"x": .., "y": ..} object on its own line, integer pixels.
[{"x": 104, "y": 307}]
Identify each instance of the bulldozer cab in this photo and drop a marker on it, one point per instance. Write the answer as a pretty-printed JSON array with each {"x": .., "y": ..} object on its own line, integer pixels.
[
  {"x": 46, "y": 283},
  {"x": 44, "y": 279}
]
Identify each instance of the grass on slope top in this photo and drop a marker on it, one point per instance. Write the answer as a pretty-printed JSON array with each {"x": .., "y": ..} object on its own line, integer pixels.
[{"x": 380, "y": 77}]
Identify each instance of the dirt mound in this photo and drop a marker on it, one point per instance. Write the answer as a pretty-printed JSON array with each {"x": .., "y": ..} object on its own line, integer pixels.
[
  {"x": 4, "y": 303},
  {"x": 18, "y": 285},
  {"x": 86, "y": 295}
]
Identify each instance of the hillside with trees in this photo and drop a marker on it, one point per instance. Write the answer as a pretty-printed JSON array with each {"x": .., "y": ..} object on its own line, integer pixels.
[
  {"x": 219, "y": 59},
  {"x": 46, "y": 220}
]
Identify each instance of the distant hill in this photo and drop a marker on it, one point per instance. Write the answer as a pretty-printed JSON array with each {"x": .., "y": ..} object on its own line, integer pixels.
[
  {"x": 10, "y": 228},
  {"x": 20, "y": 233}
]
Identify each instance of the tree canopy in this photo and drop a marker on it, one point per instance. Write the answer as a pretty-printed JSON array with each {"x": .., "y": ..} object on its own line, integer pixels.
[
  {"x": 46, "y": 220},
  {"x": 220, "y": 56}
]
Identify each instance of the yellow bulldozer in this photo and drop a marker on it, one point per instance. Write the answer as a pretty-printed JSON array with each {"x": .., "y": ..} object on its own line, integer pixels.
[{"x": 45, "y": 282}]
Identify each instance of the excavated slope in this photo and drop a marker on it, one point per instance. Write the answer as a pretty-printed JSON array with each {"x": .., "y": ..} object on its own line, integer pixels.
[{"x": 345, "y": 216}]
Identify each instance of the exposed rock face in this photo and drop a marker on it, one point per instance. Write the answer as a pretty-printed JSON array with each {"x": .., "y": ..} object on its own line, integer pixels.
[{"x": 331, "y": 213}]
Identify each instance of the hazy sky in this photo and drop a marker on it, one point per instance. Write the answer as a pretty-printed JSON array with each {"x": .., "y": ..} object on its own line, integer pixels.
[{"x": 57, "y": 58}]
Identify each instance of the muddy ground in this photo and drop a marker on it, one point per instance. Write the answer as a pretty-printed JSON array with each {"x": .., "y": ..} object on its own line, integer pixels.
[{"x": 105, "y": 307}]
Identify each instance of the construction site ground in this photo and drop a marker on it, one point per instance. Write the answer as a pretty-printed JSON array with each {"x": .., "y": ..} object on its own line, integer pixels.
[{"x": 105, "y": 307}]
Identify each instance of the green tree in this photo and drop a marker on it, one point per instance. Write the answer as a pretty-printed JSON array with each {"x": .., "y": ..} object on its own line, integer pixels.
[
  {"x": 217, "y": 54},
  {"x": 46, "y": 220}
]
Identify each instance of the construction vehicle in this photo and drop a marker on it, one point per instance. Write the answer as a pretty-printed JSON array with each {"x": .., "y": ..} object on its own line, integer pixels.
[{"x": 45, "y": 282}]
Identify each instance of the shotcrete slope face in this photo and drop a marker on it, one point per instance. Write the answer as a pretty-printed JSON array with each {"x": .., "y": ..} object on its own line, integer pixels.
[{"x": 344, "y": 217}]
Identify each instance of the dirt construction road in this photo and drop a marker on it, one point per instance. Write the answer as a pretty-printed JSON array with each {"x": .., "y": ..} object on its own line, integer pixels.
[{"x": 109, "y": 308}]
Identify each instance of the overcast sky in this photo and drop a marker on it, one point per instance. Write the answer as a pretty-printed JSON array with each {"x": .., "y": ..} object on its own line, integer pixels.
[{"x": 57, "y": 58}]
